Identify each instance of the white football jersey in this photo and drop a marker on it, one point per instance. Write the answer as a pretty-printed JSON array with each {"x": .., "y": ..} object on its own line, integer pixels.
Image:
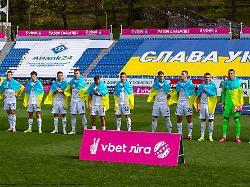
[
  {"x": 183, "y": 96},
  {"x": 59, "y": 98},
  {"x": 96, "y": 100},
  {"x": 203, "y": 98},
  {"x": 75, "y": 94},
  {"x": 32, "y": 98},
  {"x": 122, "y": 97},
  {"x": 161, "y": 96}
]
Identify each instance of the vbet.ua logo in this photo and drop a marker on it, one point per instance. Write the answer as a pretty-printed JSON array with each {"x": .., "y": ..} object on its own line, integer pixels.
[
  {"x": 94, "y": 146},
  {"x": 59, "y": 49},
  {"x": 161, "y": 149}
]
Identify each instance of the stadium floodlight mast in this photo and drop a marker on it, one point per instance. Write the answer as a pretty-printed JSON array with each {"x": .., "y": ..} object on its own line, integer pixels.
[
  {"x": 241, "y": 26},
  {"x": 111, "y": 32},
  {"x": 111, "y": 29},
  {"x": 106, "y": 18},
  {"x": 121, "y": 29},
  {"x": 230, "y": 27},
  {"x": 106, "y": 15}
]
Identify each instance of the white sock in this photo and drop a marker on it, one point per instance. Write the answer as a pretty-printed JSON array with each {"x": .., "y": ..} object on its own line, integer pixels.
[
  {"x": 39, "y": 123},
  {"x": 56, "y": 123},
  {"x": 190, "y": 129},
  {"x": 118, "y": 123},
  {"x": 64, "y": 122},
  {"x": 103, "y": 127},
  {"x": 30, "y": 122},
  {"x": 154, "y": 124},
  {"x": 203, "y": 128},
  {"x": 10, "y": 120},
  {"x": 84, "y": 121},
  {"x": 129, "y": 125},
  {"x": 13, "y": 121},
  {"x": 93, "y": 127},
  {"x": 169, "y": 124},
  {"x": 73, "y": 122},
  {"x": 179, "y": 127},
  {"x": 211, "y": 128}
]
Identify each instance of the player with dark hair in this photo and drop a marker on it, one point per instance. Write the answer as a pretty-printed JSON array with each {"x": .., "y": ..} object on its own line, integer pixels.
[
  {"x": 160, "y": 95},
  {"x": 10, "y": 89},
  {"x": 58, "y": 100},
  {"x": 186, "y": 95},
  {"x": 76, "y": 89},
  {"x": 207, "y": 100},
  {"x": 124, "y": 101},
  {"x": 98, "y": 101},
  {"x": 33, "y": 99}
]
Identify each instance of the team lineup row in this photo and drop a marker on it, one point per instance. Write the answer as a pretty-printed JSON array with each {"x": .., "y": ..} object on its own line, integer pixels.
[{"x": 96, "y": 98}]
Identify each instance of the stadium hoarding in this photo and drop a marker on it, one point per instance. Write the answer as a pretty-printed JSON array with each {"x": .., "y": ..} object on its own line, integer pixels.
[
  {"x": 131, "y": 147},
  {"x": 101, "y": 32},
  {"x": 49, "y": 57},
  {"x": 140, "y": 86},
  {"x": 2, "y": 35},
  {"x": 141, "y": 90},
  {"x": 195, "y": 56},
  {"x": 46, "y": 82},
  {"x": 175, "y": 31},
  {"x": 246, "y": 30}
]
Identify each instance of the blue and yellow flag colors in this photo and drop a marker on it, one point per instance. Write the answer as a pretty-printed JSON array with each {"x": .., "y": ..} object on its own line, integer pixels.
[
  {"x": 63, "y": 85},
  {"x": 167, "y": 89},
  {"x": 165, "y": 85},
  {"x": 235, "y": 89},
  {"x": 156, "y": 87},
  {"x": 80, "y": 84},
  {"x": 211, "y": 92},
  {"x": 50, "y": 97},
  {"x": 174, "y": 97},
  {"x": 38, "y": 89},
  {"x": 13, "y": 85},
  {"x": 103, "y": 90},
  {"x": 196, "y": 56},
  {"x": 128, "y": 90},
  {"x": 188, "y": 88}
]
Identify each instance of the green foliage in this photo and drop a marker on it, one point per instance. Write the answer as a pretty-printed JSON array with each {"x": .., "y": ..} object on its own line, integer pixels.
[
  {"x": 219, "y": 4},
  {"x": 49, "y": 10},
  {"x": 51, "y": 14}
]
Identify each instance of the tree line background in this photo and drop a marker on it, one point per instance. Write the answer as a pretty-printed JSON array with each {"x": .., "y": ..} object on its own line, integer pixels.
[{"x": 92, "y": 14}]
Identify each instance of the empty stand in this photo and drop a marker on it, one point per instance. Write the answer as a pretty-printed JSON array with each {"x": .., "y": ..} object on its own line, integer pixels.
[{"x": 113, "y": 62}]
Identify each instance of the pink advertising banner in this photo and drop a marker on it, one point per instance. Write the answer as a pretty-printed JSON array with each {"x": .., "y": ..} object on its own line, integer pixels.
[
  {"x": 246, "y": 30},
  {"x": 2, "y": 35},
  {"x": 175, "y": 31},
  {"x": 46, "y": 88},
  {"x": 141, "y": 90},
  {"x": 131, "y": 147},
  {"x": 103, "y": 32}
]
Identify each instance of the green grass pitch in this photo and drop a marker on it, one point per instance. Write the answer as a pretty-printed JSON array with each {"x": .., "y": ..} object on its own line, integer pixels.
[{"x": 52, "y": 159}]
